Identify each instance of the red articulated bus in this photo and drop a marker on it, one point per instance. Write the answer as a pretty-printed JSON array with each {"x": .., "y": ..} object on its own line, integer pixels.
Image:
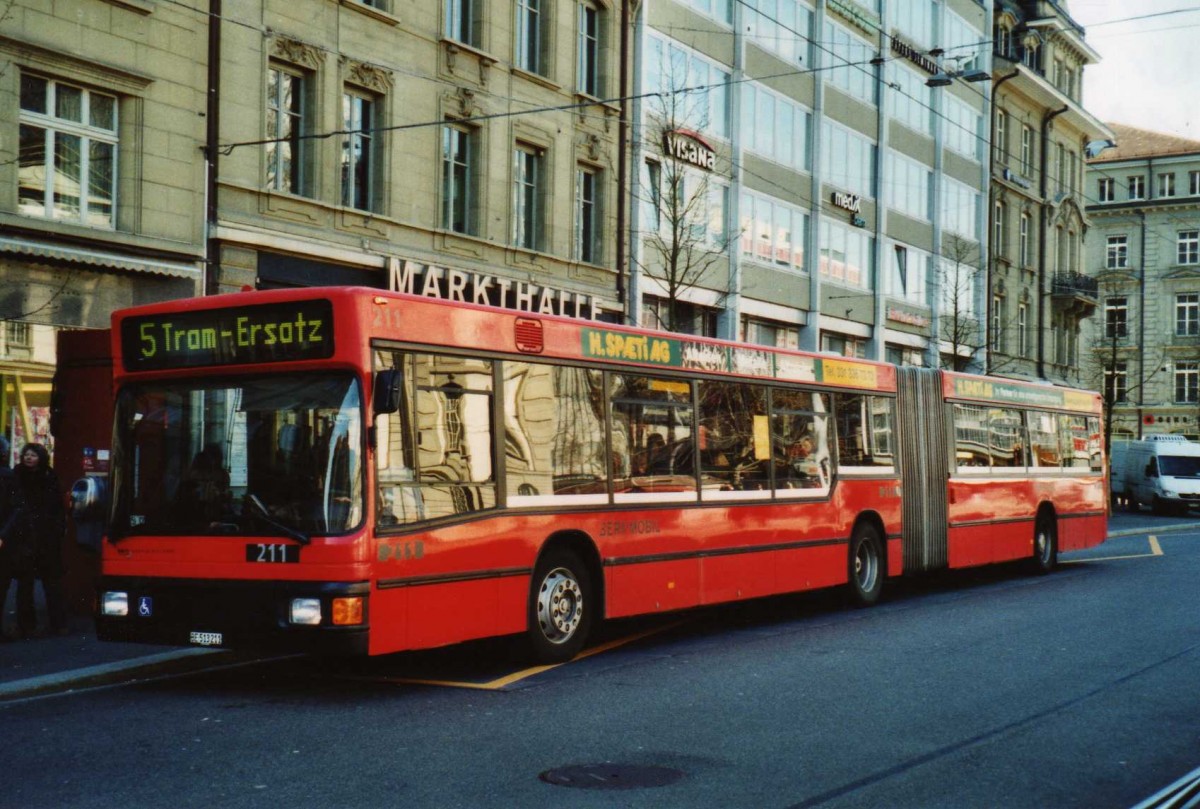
[{"x": 356, "y": 471}]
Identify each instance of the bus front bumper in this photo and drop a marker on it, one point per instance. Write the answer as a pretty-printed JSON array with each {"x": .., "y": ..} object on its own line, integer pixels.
[{"x": 226, "y": 614}]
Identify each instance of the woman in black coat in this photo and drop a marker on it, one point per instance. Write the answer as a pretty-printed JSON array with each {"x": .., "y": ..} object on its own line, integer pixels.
[{"x": 46, "y": 520}]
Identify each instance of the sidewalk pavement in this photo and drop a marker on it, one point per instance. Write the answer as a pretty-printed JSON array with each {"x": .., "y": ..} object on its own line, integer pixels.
[
  {"x": 49, "y": 664},
  {"x": 54, "y": 664}
]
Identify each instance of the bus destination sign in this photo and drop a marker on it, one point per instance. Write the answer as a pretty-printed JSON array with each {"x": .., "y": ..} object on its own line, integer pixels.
[{"x": 272, "y": 332}]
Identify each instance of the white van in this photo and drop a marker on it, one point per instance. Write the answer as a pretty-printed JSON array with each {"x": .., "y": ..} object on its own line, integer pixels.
[{"x": 1160, "y": 471}]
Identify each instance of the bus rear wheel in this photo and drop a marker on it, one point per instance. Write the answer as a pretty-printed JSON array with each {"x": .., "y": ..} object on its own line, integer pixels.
[
  {"x": 866, "y": 565},
  {"x": 1045, "y": 544},
  {"x": 561, "y": 605}
]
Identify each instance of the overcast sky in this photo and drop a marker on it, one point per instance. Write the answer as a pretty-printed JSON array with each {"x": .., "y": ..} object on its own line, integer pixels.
[{"x": 1147, "y": 76}]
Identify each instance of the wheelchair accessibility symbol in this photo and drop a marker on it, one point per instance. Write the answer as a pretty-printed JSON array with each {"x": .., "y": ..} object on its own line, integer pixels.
[{"x": 145, "y": 606}]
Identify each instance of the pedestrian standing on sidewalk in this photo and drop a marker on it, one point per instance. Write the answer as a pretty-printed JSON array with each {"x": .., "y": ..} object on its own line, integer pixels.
[
  {"x": 16, "y": 549},
  {"x": 47, "y": 520}
]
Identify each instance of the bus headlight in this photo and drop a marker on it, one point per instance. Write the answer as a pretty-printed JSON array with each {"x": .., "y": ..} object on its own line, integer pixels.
[
  {"x": 306, "y": 611},
  {"x": 114, "y": 603}
]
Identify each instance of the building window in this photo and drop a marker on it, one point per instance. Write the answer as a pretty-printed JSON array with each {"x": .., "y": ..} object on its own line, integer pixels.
[
  {"x": 358, "y": 151},
  {"x": 1116, "y": 382},
  {"x": 531, "y": 30},
  {"x": 670, "y": 70},
  {"x": 783, "y": 28},
  {"x": 773, "y": 232},
  {"x": 995, "y": 331},
  {"x": 1118, "y": 253},
  {"x": 770, "y": 333},
  {"x": 1000, "y": 229},
  {"x": 910, "y": 187},
  {"x": 849, "y": 54},
  {"x": 785, "y": 139},
  {"x": 903, "y": 355},
  {"x": 832, "y": 343},
  {"x": 1187, "y": 314},
  {"x": 846, "y": 254},
  {"x": 17, "y": 334},
  {"x": 1116, "y": 318},
  {"x": 68, "y": 152},
  {"x": 462, "y": 21},
  {"x": 528, "y": 198},
  {"x": 589, "y": 50},
  {"x": 1002, "y": 136},
  {"x": 1023, "y": 340},
  {"x": 906, "y": 273},
  {"x": 1188, "y": 247},
  {"x": 690, "y": 318},
  {"x": 1026, "y": 149},
  {"x": 1023, "y": 241},
  {"x": 287, "y": 151},
  {"x": 1166, "y": 185},
  {"x": 1137, "y": 187},
  {"x": 1187, "y": 381},
  {"x": 1107, "y": 190},
  {"x": 1194, "y": 183},
  {"x": 960, "y": 208},
  {"x": 460, "y": 149},
  {"x": 587, "y": 219},
  {"x": 847, "y": 159}
]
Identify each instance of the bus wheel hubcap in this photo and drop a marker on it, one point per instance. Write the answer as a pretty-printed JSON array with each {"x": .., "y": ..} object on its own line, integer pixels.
[
  {"x": 865, "y": 567},
  {"x": 559, "y": 605}
]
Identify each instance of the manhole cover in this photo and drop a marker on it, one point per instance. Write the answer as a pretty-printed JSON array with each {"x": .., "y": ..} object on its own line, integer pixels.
[{"x": 611, "y": 776}]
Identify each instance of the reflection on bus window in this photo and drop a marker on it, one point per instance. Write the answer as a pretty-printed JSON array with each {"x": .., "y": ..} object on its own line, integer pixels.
[
  {"x": 800, "y": 441},
  {"x": 654, "y": 453},
  {"x": 733, "y": 436},
  {"x": 438, "y": 459},
  {"x": 864, "y": 430},
  {"x": 1006, "y": 437},
  {"x": 1043, "y": 440},
  {"x": 189, "y": 456},
  {"x": 971, "y": 438},
  {"x": 554, "y": 433}
]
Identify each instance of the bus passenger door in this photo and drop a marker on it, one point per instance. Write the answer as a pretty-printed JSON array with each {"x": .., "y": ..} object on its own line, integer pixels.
[{"x": 924, "y": 467}]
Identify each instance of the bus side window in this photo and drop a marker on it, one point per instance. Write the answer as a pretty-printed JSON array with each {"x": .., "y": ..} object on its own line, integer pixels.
[
  {"x": 439, "y": 444},
  {"x": 865, "y": 426},
  {"x": 554, "y": 431},
  {"x": 732, "y": 455}
]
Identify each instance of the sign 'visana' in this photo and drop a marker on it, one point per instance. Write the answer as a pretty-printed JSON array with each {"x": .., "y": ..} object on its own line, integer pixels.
[{"x": 688, "y": 147}]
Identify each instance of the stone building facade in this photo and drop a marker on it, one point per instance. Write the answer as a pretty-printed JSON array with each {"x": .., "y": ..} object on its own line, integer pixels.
[
  {"x": 1144, "y": 349},
  {"x": 1040, "y": 293}
]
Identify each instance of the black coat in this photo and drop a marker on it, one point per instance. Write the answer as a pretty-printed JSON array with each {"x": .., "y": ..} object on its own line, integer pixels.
[
  {"x": 16, "y": 555},
  {"x": 45, "y": 517}
]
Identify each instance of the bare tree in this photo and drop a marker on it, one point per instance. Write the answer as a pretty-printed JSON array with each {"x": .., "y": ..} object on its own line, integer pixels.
[
  {"x": 1105, "y": 370},
  {"x": 958, "y": 274},
  {"x": 684, "y": 236}
]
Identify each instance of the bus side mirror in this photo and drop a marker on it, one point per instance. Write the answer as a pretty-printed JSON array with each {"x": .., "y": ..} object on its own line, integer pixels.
[{"x": 388, "y": 390}]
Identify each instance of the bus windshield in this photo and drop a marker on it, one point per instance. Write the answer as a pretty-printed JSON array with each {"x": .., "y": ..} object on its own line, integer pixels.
[{"x": 279, "y": 454}]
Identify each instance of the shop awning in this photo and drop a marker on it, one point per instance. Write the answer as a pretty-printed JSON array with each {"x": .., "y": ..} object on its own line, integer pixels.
[{"x": 99, "y": 258}]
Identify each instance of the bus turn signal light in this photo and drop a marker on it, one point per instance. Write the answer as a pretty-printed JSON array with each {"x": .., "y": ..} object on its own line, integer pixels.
[{"x": 347, "y": 611}]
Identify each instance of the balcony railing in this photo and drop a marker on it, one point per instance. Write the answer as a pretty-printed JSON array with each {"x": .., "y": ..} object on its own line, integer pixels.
[{"x": 1075, "y": 284}]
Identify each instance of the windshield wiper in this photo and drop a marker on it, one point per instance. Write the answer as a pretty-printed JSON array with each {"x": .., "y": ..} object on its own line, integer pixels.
[{"x": 265, "y": 516}]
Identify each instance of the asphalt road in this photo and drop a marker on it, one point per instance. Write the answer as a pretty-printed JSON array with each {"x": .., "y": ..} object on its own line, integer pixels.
[{"x": 988, "y": 688}]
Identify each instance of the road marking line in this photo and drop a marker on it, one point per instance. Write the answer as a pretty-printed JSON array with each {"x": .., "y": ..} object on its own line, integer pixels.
[
  {"x": 517, "y": 676},
  {"x": 1155, "y": 550}
]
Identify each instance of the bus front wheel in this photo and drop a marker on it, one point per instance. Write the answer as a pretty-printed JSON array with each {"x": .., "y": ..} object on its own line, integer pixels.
[
  {"x": 561, "y": 605},
  {"x": 866, "y": 565}
]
